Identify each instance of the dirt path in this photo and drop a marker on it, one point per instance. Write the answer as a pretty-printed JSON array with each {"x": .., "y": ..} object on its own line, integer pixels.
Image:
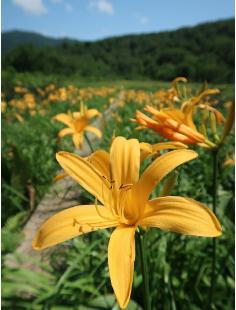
[{"x": 63, "y": 194}]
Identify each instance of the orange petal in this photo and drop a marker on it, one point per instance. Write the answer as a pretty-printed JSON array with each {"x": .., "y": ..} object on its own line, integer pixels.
[
  {"x": 71, "y": 223},
  {"x": 150, "y": 149},
  {"x": 121, "y": 256},
  {"x": 159, "y": 168},
  {"x": 101, "y": 161},
  {"x": 66, "y": 131},
  {"x": 125, "y": 161},
  {"x": 64, "y": 118},
  {"x": 78, "y": 139},
  {"x": 94, "y": 130},
  {"x": 179, "y": 127},
  {"x": 181, "y": 215},
  {"x": 84, "y": 173},
  {"x": 92, "y": 113}
]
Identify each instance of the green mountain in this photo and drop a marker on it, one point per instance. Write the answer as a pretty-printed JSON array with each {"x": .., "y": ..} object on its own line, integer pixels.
[
  {"x": 15, "y": 38},
  {"x": 203, "y": 52}
]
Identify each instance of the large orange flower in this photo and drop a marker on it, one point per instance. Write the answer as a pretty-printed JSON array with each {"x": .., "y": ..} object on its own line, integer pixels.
[{"x": 124, "y": 195}]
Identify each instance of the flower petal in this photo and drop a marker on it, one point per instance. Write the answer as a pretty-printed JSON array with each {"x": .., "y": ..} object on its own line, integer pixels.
[
  {"x": 176, "y": 126},
  {"x": 71, "y": 223},
  {"x": 181, "y": 215},
  {"x": 149, "y": 149},
  {"x": 121, "y": 256},
  {"x": 164, "y": 131},
  {"x": 64, "y": 118},
  {"x": 91, "y": 113},
  {"x": 145, "y": 150},
  {"x": 76, "y": 115},
  {"x": 176, "y": 114},
  {"x": 94, "y": 130},
  {"x": 125, "y": 161},
  {"x": 78, "y": 139},
  {"x": 65, "y": 131},
  {"x": 84, "y": 173},
  {"x": 101, "y": 161},
  {"x": 168, "y": 146},
  {"x": 188, "y": 120},
  {"x": 159, "y": 169}
]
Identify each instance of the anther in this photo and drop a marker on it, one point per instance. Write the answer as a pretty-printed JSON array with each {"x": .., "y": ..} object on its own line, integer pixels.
[
  {"x": 109, "y": 181},
  {"x": 124, "y": 186},
  {"x": 75, "y": 222}
]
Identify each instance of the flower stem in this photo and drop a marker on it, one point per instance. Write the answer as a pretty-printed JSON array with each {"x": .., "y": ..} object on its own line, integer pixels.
[
  {"x": 89, "y": 143},
  {"x": 214, "y": 202},
  {"x": 144, "y": 269}
]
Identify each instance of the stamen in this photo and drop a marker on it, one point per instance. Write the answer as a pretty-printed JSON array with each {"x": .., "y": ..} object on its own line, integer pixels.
[
  {"x": 90, "y": 225},
  {"x": 123, "y": 199},
  {"x": 109, "y": 207},
  {"x": 111, "y": 182},
  {"x": 123, "y": 186},
  {"x": 99, "y": 213},
  {"x": 122, "y": 202},
  {"x": 75, "y": 222}
]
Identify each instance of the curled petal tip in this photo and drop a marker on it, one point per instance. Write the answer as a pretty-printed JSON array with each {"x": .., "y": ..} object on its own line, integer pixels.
[{"x": 58, "y": 155}]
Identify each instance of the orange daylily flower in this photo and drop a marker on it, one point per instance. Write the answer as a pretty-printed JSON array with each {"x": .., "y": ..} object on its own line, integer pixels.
[
  {"x": 78, "y": 123},
  {"x": 113, "y": 178},
  {"x": 172, "y": 124}
]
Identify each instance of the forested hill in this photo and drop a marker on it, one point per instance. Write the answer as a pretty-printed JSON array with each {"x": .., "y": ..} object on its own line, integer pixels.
[
  {"x": 15, "y": 38},
  {"x": 202, "y": 52}
]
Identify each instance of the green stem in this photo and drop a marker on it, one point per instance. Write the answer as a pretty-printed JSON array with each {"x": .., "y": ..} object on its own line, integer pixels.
[
  {"x": 214, "y": 202},
  {"x": 144, "y": 269},
  {"x": 89, "y": 143},
  {"x": 215, "y": 178}
]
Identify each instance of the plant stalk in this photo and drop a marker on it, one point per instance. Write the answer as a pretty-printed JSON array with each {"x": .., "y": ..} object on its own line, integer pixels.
[
  {"x": 144, "y": 269},
  {"x": 89, "y": 143},
  {"x": 214, "y": 203}
]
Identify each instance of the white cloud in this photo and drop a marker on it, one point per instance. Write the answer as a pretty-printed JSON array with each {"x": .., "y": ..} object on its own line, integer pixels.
[
  {"x": 68, "y": 7},
  {"x": 144, "y": 20},
  {"x": 35, "y": 7},
  {"x": 103, "y": 6}
]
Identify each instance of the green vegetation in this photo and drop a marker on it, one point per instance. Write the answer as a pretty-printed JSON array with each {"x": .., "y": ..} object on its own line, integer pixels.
[{"x": 204, "y": 52}]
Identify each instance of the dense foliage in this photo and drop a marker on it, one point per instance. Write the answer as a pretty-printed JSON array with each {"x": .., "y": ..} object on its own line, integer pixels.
[{"x": 204, "y": 52}]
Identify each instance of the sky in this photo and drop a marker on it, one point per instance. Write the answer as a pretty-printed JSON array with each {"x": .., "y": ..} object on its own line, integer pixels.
[{"x": 96, "y": 19}]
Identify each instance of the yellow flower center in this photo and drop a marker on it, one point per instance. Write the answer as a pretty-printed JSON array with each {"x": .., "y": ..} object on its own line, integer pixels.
[
  {"x": 121, "y": 201},
  {"x": 80, "y": 123}
]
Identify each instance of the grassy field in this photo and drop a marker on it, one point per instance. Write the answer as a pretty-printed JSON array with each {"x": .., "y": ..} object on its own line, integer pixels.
[{"x": 180, "y": 266}]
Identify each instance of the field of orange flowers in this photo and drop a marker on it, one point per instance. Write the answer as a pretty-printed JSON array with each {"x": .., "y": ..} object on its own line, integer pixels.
[{"x": 161, "y": 162}]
